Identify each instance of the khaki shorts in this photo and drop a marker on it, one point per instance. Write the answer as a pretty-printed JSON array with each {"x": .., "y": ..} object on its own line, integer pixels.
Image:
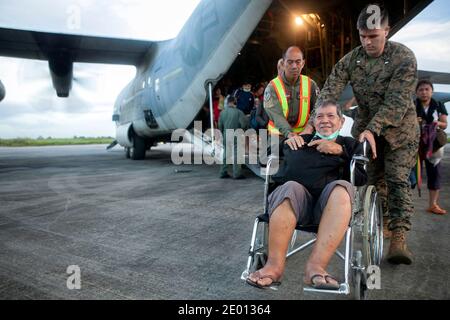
[{"x": 307, "y": 210}]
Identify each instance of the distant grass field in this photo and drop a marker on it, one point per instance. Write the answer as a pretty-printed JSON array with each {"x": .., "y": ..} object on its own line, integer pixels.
[{"x": 28, "y": 142}]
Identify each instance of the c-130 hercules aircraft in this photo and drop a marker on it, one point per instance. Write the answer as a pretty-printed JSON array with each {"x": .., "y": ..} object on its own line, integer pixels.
[{"x": 222, "y": 38}]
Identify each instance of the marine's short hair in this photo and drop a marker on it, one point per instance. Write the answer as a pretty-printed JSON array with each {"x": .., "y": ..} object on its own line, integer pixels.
[
  {"x": 327, "y": 103},
  {"x": 368, "y": 20},
  {"x": 424, "y": 81}
]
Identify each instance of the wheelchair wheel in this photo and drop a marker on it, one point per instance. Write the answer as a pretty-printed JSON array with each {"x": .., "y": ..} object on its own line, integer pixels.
[
  {"x": 359, "y": 278},
  {"x": 372, "y": 235}
]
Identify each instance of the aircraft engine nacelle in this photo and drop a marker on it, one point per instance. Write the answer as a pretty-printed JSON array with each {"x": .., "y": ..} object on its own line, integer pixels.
[
  {"x": 2, "y": 91},
  {"x": 61, "y": 71},
  {"x": 124, "y": 135}
]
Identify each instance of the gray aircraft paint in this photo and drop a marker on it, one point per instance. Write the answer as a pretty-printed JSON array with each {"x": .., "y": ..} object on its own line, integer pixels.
[
  {"x": 172, "y": 80},
  {"x": 171, "y": 76},
  {"x": 2, "y": 91}
]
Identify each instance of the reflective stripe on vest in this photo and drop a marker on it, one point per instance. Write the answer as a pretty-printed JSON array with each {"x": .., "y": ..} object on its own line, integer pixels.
[{"x": 304, "y": 104}]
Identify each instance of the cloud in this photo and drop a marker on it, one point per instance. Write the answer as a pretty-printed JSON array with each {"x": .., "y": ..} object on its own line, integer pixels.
[
  {"x": 57, "y": 124},
  {"x": 11, "y": 109},
  {"x": 430, "y": 42},
  {"x": 423, "y": 30},
  {"x": 31, "y": 107},
  {"x": 29, "y": 82}
]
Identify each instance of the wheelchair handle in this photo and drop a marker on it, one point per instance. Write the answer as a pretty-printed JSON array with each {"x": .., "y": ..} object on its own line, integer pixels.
[
  {"x": 366, "y": 148},
  {"x": 360, "y": 159}
]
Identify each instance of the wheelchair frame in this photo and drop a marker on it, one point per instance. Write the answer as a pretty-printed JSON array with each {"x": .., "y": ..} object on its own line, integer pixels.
[{"x": 366, "y": 224}]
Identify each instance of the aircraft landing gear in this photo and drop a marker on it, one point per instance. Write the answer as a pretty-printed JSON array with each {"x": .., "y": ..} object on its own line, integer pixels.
[{"x": 137, "y": 151}]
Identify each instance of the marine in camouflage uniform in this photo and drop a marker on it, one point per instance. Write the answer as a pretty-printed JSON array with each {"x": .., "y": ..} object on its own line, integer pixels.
[{"x": 384, "y": 86}]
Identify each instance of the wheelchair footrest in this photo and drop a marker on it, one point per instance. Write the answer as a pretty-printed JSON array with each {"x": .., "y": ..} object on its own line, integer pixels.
[{"x": 343, "y": 289}]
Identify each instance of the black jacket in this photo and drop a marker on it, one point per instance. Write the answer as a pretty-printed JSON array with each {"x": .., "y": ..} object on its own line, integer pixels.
[
  {"x": 315, "y": 170},
  {"x": 434, "y": 106}
]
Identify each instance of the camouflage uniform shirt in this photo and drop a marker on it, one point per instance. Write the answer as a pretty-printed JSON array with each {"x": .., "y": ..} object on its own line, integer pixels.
[
  {"x": 273, "y": 107},
  {"x": 384, "y": 89}
]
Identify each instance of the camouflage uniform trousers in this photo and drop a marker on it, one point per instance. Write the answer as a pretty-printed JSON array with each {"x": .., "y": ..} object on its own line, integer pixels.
[{"x": 389, "y": 172}]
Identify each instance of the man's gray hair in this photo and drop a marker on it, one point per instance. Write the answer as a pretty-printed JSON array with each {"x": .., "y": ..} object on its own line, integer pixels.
[
  {"x": 327, "y": 103},
  {"x": 280, "y": 64}
]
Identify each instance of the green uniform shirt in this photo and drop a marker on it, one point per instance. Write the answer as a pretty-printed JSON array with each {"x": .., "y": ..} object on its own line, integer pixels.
[
  {"x": 384, "y": 89},
  {"x": 275, "y": 111},
  {"x": 232, "y": 118}
]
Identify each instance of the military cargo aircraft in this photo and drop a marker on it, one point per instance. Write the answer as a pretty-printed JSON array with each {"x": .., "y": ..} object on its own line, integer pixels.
[
  {"x": 2, "y": 91},
  {"x": 222, "y": 40}
]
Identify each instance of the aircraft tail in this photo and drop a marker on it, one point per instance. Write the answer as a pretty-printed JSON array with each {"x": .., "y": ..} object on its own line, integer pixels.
[{"x": 203, "y": 52}]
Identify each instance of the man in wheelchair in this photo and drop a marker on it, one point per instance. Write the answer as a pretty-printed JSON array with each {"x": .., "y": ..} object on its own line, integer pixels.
[{"x": 314, "y": 191}]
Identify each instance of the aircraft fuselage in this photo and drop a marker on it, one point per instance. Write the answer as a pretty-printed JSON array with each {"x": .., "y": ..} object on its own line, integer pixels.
[{"x": 171, "y": 83}]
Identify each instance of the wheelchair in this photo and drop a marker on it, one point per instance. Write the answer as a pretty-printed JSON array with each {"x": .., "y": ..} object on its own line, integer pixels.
[{"x": 363, "y": 238}]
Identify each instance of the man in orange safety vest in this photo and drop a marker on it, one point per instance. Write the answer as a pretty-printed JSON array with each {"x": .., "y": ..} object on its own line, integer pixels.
[{"x": 289, "y": 99}]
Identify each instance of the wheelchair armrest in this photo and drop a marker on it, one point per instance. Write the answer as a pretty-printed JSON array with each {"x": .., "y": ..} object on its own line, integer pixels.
[
  {"x": 271, "y": 159},
  {"x": 361, "y": 159},
  {"x": 357, "y": 159},
  {"x": 267, "y": 178}
]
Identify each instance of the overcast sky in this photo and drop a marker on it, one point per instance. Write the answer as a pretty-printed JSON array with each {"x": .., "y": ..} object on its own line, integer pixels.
[{"x": 31, "y": 108}]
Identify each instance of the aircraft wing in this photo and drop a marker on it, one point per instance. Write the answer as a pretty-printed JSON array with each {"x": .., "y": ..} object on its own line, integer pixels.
[
  {"x": 44, "y": 45},
  {"x": 435, "y": 77},
  {"x": 62, "y": 50}
]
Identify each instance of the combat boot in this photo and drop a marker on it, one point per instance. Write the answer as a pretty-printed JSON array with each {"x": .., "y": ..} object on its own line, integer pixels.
[{"x": 398, "y": 252}]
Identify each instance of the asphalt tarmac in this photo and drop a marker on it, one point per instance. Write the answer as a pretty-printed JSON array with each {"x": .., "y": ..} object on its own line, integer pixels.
[{"x": 154, "y": 230}]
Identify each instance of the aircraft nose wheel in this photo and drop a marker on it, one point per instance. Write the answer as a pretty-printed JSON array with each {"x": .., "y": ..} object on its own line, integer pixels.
[{"x": 137, "y": 151}]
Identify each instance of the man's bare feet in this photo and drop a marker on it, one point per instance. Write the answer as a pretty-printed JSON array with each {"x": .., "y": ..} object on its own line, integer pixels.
[
  {"x": 265, "y": 277},
  {"x": 318, "y": 278}
]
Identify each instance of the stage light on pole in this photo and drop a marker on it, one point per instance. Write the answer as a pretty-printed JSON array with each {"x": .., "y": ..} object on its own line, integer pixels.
[{"x": 298, "y": 21}]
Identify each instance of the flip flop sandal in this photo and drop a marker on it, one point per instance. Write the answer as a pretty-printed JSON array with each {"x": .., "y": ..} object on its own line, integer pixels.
[
  {"x": 324, "y": 285},
  {"x": 273, "y": 285}
]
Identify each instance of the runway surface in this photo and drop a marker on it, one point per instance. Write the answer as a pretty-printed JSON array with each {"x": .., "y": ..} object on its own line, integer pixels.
[{"x": 153, "y": 230}]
